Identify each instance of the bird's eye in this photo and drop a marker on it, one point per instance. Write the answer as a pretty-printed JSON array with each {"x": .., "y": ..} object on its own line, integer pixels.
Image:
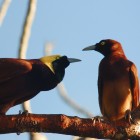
[{"x": 103, "y": 43}]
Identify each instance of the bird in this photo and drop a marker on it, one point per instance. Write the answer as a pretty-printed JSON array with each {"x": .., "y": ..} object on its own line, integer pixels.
[
  {"x": 22, "y": 79},
  {"x": 118, "y": 84}
]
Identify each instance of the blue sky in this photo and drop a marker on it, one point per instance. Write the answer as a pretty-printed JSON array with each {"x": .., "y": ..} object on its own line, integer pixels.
[{"x": 71, "y": 26}]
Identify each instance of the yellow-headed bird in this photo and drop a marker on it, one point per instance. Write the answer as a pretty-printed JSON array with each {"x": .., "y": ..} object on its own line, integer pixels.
[{"x": 22, "y": 79}]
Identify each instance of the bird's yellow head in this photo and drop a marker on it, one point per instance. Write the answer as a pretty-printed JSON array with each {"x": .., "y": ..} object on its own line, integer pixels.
[
  {"x": 57, "y": 64},
  {"x": 47, "y": 60}
]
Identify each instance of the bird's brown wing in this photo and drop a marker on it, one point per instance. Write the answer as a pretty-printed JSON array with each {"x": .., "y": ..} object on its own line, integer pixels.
[
  {"x": 12, "y": 67},
  {"x": 134, "y": 81}
]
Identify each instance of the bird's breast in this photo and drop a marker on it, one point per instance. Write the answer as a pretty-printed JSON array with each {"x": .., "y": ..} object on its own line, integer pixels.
[{"x": 117, "y": 98}]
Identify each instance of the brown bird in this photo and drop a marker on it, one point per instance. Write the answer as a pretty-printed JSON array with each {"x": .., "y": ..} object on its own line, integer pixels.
[
  {"x": 118, "y": 83},
  {"x": 21, "y": 79}
]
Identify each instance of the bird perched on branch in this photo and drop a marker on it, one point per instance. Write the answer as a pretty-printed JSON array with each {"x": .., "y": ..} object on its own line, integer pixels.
[
  {"x": 21, "y": 79},
  {"x": 118, "y": 84}
]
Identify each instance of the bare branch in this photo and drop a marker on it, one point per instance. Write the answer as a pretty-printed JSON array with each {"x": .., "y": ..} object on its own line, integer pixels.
[
  {"x": 25, "y": 38},
  {"x": 63, "y": 94},
  {"x": 61, "y": 124},
  {"x": 22, "y": 52},
  {"x": 27, "y": 28},
  {"x": 49, "y": 48},
  {"x": 38, "y": 136},
  {"x": 82, "y": 138},
  {"x": 3, "y": 10},
  {"x": 76, "y": 126}
]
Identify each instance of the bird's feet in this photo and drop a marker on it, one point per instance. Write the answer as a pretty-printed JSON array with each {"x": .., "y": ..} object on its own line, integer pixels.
[
  {"x": 97, "y": 119},
  {"x": 20, "y": 121},
  {"x": 128, "y": 117},
  {"x": 24, "y": 112}
]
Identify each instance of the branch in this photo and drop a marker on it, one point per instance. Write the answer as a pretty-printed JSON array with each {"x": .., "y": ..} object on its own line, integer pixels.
[
  {"x": 23, "y": 49},
  {"x": 27, "y": 28},
  {"x": 3, "y": 10},
  {"x": 64, "y": 95},
  {"x": 82, "y": 138},
  {"x": 25, "y": 38},
  {"x": 48, "y": 49},
  {"x": 62, "y": 124}
]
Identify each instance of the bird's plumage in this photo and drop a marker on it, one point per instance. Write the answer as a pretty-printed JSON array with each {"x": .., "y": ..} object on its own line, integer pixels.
[
  {"x": 21, "y": 79},
  {"x": 118, "y": 84}
]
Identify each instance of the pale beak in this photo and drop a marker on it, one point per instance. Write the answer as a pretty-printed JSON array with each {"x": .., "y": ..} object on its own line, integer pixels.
[
  {"x": 93, "y": 47},
  {"x": 71, "y": 60}
]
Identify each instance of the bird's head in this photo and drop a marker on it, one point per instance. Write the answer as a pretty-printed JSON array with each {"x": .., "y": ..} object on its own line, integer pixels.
[
  {"x": 57, "y": 64},
  {"x": 106, "y": 47}
]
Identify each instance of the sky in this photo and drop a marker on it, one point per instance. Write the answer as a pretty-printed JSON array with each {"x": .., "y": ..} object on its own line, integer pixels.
[{"x": 71, "y": 26}]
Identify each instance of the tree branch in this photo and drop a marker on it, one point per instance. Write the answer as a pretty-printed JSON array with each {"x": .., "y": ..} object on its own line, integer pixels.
[
  {"x": 3, "y": 10},
  {"x": 27, "y": 28},
  {"x": 64, "y": 95},
  {"x": 63, "y": 124}
]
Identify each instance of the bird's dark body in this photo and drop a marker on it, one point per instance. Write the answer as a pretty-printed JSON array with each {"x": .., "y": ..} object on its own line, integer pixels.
[{"x": 20, "y": 80}]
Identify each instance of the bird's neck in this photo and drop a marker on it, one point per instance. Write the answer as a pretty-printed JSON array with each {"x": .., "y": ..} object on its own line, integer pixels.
[
  {"x": 44, "y": 78},
  {"x": 114, "y": 57},
  {"x": 117, "y": 54}
]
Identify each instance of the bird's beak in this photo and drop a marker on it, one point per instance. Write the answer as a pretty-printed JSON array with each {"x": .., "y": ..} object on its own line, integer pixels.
[
  {"x": 93, "y": 47},
  {"x": 71, "y": 60}
]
